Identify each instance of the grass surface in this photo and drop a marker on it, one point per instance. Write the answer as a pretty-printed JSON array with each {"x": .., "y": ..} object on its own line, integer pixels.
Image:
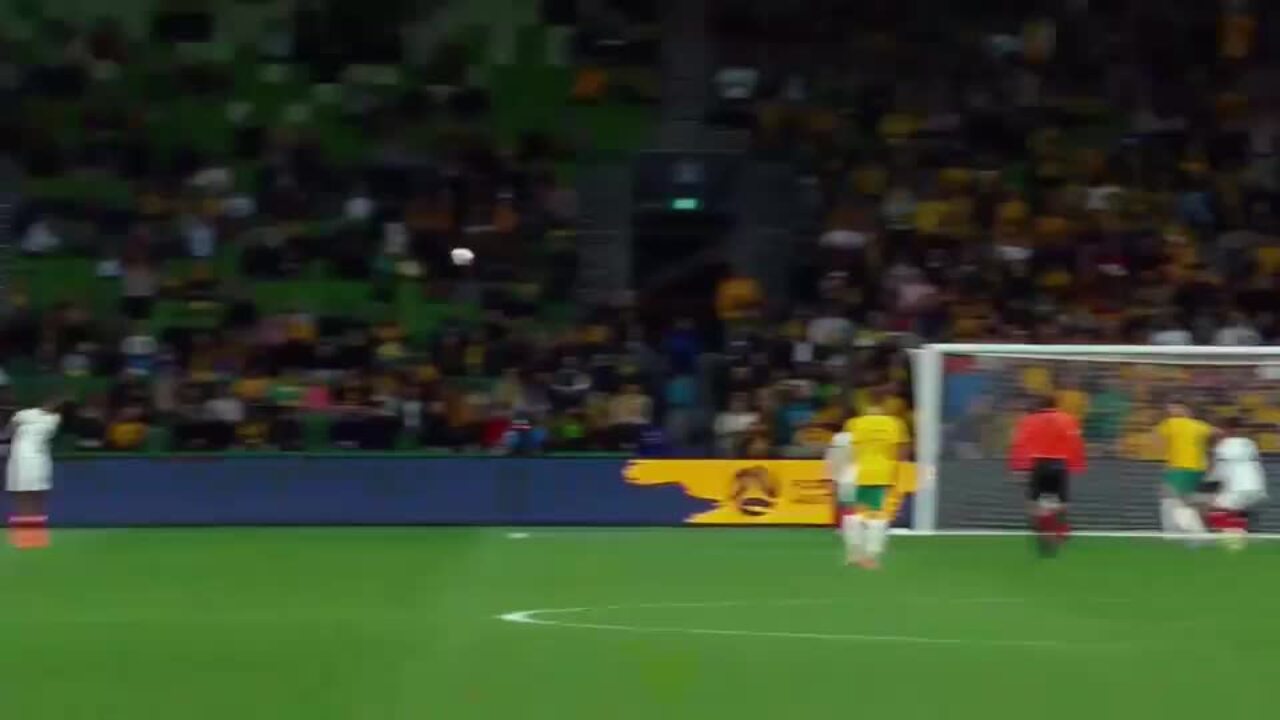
[{"x": 401, "y": 623}]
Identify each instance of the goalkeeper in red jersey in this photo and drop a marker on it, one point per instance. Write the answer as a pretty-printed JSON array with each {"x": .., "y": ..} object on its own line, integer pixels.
[{"x": 1047, "y": 445}]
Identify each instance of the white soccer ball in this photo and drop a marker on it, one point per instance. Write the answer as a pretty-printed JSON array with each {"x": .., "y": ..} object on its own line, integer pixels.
[{"x": 462, "y": 256}]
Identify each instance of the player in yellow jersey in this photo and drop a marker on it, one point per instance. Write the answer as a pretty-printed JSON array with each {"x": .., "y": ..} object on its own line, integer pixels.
[
  {"x": 1183, "y": 440},
  {"x": 880, "y": 442}
]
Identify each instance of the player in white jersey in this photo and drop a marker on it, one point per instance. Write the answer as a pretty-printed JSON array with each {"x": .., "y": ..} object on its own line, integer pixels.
[
  {"x": 1241, "y": 484},
  {"x": 844, "y": 475},
  {"x": 29, "y": 472}
]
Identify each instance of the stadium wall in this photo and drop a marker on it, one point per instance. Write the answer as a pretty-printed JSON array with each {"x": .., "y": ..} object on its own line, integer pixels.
[{"x": 395, "y": 490}]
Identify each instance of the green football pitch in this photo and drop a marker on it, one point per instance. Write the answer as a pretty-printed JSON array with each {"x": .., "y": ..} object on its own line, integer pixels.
[{"x": 389, "y": 624}]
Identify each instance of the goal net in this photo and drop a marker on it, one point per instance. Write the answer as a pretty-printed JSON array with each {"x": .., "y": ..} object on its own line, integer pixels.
[{"x": 967, "y": 398}]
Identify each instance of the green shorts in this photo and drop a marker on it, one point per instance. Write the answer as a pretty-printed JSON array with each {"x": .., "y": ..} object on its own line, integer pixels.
[
  {"x": 872, "y": 497},
  {"x": 1183, "y": 481}
]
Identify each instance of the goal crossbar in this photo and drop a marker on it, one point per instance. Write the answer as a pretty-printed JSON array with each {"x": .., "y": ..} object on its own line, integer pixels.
[{"x": 1092, "y": 350}]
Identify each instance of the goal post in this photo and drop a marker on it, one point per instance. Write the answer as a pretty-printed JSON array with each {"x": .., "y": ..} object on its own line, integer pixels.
[{"x": 967, "y": 396}]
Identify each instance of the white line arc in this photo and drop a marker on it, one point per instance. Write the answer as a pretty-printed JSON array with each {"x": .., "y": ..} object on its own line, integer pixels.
[{"x": 537, "y": 617}]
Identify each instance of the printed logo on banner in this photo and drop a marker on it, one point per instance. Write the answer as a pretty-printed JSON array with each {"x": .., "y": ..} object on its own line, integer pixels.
[
  {"x": 783, "y": 492},
  {"x": 754, "y": 492}
]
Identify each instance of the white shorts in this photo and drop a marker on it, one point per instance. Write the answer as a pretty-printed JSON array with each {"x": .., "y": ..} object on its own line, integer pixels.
[
  {"x": 28, "y": 474},
  {"x": 1239, "y": 500}
]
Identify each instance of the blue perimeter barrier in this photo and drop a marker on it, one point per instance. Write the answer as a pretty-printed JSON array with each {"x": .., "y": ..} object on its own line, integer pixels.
[{"x": 318, "y": 490}]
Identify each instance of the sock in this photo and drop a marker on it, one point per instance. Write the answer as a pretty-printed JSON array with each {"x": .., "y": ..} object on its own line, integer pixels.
[
  {"x": 1188, "y": 520},
  {"x": 1041, "y": 524},
  {"x": 1046, "y": 523},
  {"x": 854, "y": 534},
  {"x": 877, "y": 536},
  {"x": 1168, "y": 519},
  {"x": 1061, "y": 527}
]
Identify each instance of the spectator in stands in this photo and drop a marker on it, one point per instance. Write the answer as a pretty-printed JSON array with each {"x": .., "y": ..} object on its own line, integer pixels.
[
  {"x": 523, "y": 436},
  {"x": 733, "y": 424},
  {"x": 635, "y": 352},
  {"x": 561, "y": 202},
  {"x": 78, "y": 362},
  {"x": 298, "y": 351},
  {"x": 22, "y": 326},
  {"x": 360, "y": 421},
  {"x": 380, "y": 429},
  {"x": 264, "y": 254},
  {"x": 475, "y": 353},
  {"x": 140, "y": 284},
  {"x": 223, "y": 407},
  {"x": 138, "y": 350},
  {"x": 536, "y": 396},
  {"x": 287, "y": 391},
  {"x": 569, "y": 432},
  {"x": 252, "y": 429},
  {"x": 388, "y": 337},
  {"x": 831, "y": 329},
  {"x": 73, "y": 327},
  {"x": 436, "y": 431},
  {"x": 739, "y": 298},
  {"x": 795, "y": 410},
  {"x": 285, "y": 428},
  {"x": 1237, "y": 331},
  {"x": 756, "y": 444},
  {"x": 411, "y": 410},
  {"x": 570, "y": 385},
  {"x": 128, "y": 430},
  {"x": 359, "y": 206},
  {"x": 510, "y": 389},
  {"x": 200, "y": 419},
  {"x": 850, "y": 230},
  {"x": 89, "y": 423},
  {"x": 682, "y": 346},
  {"x": 199, "y": 236},
  {"x": 253, "y": 384},
  {"x": 630, "y": 412},
  {"x": 595, "y": 410},
  {"x": 450, "y": 353},
  {"x": 1169, "y": 331},
  {"x": 1108, "y": 410},
  {"x": 40, "y": 238},
  {"x": 1003, "y": 204},
  {"x": 200, "y": 286}
]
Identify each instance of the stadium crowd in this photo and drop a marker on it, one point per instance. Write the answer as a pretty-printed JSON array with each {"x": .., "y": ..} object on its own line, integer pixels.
[
  {"x": 1065, "y": 173},
  {"x": 1061, "y": 172}
]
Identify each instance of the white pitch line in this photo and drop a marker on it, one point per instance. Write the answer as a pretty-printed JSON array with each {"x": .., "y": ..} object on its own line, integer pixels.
[
  {"x": 897, "y": 532},
  {"x": 534, "y": 617}
]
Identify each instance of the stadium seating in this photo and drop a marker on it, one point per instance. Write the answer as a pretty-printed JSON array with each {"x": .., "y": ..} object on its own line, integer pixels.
[
  {"x": 986, "y": 174},
  {"x": 138, "y": 120}
]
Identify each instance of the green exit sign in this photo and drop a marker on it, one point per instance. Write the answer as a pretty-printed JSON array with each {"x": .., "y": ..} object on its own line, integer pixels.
[{"x": 686, "y": 203}]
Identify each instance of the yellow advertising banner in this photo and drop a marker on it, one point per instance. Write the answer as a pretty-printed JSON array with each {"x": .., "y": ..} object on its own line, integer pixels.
[{"x": 754, "y": 492}]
